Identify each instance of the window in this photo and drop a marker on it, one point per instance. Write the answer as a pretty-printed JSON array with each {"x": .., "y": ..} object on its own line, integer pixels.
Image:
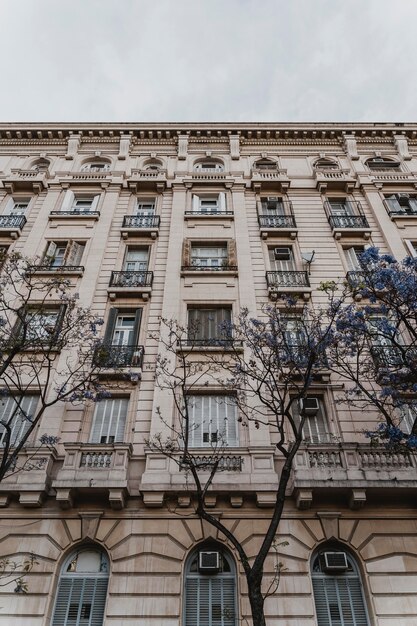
[
  {"x": 41, "y": 165},
  {"x": 96, "y": 166},
  {"x": 265, "y": 164},
  {"x": 145, "y": 206},
  {"x": 295, "y": 336},
  {"x": 340, "y": 206},
  {"x": 353, "y": 258},
  {"x": 136, "y": 260},
  {"x": 18, "y": 413},
  {"x": 206, "y": 256},
  {"x": 326, "y": 164},
  {"x": 79, "y": 203},
  {"x": 380, "y": 163},
  {"x": 153, "y": 165},
  {"x": 384, "y": 339},
  {"x": 282, "y": 259},
  {"x": 63, "y": 253},
  {"x": 82, "y": 589},
  {"x": 401, "y": 203},
  {"x": 412, "y": 247},
  {"x": 315, "y": 429},
  {"x": 408, "y": 417},
  {"x": 209, "y": 325},
  {"x": 213, "y": 421},
  {"x": 272, "y": 206},
  {"x": 209, "y": 204},
  {"x": 209, "y": 166},
  {"x": 109, "y": 421},
  {"x": 17, "y": 206},
  {"x": 210, "y": 594},
  {"x": 43, "y": 326},
  {"x": 120, "y": 347},
  {"x": 337, "y": 589}
]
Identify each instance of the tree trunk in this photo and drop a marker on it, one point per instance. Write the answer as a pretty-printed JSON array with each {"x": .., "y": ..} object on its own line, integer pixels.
[{"x": 256, "y": 600}]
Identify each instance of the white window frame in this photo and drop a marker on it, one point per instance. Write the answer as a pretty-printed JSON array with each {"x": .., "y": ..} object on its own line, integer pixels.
[
  {"x": 109, "y": 421},
  {"x": 212, "y": 421},
  {"x": 209, "y": 255},
  {"x": 16, "y": 412}
]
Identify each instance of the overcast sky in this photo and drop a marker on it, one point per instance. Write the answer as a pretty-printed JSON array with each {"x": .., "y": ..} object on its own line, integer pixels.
[{"x": 208, "y": 60}]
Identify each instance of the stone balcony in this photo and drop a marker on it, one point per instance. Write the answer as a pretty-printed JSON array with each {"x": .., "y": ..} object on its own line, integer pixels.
[
  {"x": 150, "y": 180},
  {"x": 262, "y": 180},
  {"x": 334, "y": 180},
  {"x": 11, "y": 225},
  {"x": 31, "y": 479},
  {"x": 25, "y": 180},
  {"x": 353, "y": 470},
  {"x": 94, "y": 467}
]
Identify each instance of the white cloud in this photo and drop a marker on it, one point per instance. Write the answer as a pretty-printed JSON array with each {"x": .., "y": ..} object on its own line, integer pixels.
[{"x": 224, "y": 60}]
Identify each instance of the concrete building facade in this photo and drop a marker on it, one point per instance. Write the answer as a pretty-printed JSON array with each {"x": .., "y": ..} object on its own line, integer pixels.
[{"x": 174, "y": 220}]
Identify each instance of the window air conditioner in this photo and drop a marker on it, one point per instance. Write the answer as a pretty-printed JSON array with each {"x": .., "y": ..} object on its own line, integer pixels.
[
  {"x": 209, "y": 562},
  {"x": 310, "y": 406},
  {"x": 282, "y": 254},
  {"x": 334, "y": 561}
]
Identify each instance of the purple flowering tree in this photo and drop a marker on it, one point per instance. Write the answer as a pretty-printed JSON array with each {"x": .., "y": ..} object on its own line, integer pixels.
[
  {"x": 375, "y": 345},
  {"x": 47, "y": 341}
]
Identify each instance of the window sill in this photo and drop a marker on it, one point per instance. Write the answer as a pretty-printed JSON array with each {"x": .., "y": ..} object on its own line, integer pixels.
[
  {"x": 76, "y": 270},
  {"x": 342, "y": 233},
  {"x": 73, "y": 215},
  {"x": 191, "y": 271},
  {"x": 278, "y": 232},
  {"x": 225, "y": 215}
]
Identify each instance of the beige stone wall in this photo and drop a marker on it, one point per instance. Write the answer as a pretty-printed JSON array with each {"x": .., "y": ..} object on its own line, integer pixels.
[{"x": 148, "y": 546}]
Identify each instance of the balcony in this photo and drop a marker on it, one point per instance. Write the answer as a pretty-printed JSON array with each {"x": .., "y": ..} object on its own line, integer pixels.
[
  {"x": 93, "y": 468},
  {"x": 227, "y": 463},
  {"x": 277, "y": 225},
  {"x": 352, "y": 470},
  {"x": 212, "y": 215},
  {"x": 141, "y": 225},
  {"x": 267, "y": 179},
  {"x": 12, "y": 225},
  {"x": 335, "y": 179},
  {"x": 77, "y": 270},
  {"x": 73, "y": 215},
  {"x": 213, "y": 345},
  {"x": 25, "y": 180},
  {"x": 130, "y": 283},
  {"x": 349, "y": 221},
  {"x": 288, "y": 282},
  {"x": 356, "y": 279},
  {"x": 405, "y": 209},
  {"x": 113, "y": 356},
  {"x": 153, "y": 180},
  {"x": 33, "y": 480},
  {"x": 197, "y": 269}
]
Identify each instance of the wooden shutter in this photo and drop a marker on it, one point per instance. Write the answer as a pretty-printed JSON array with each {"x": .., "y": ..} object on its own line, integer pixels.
[
  {"x": 95, "y": 202},
  {"x": 59, "y": 322},
  {"x": 222, "y": 202},
  {"x": 111, "y": 321},
  {"x": 18, "y": 414},
  {"x": 315, "y": 426},
  {"x": 109, "y": 421},
  {"x": 186, "y": 252},
  {"x": 352, "y": 259},
  {"x": 196, "y": 203},
  {"x": 231, "y": 252},
  {"x": 209, "y": 601},
  {"x": 339, "y": 601},
  {"x": 136, "y": 327},
  {"x": 50, "y": 251},
  {"x": 212, "y": 418},
  {"x": 9, "y": 207},
  {"x": 80, "y": 602},
  {"x": 74, "y": 253},
  {"x": 68, "y": 202}
]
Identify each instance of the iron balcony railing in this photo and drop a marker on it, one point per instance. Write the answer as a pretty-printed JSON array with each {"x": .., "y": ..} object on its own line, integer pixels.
[
  {"x": 217, "y": 213},
  {"x": 277, "y": 221},
  {"x": 110, "y": 356},
  {"x": 287, "y": 279},
  {"x": 131, "y": 279},
  {"x": 195, "y": 267},
  {"x": 84, "y": 213},
  {"x": 141, "y": 221},
  {"x": 57, "y": 269},
  {"x": 356, "y": 279},
  {"x": 387, "y": 356},
  {"x": 348, "y": 215},
  {"x": 12, "y": 221},
  {"x": 226, "y": 463},
  {"x": 216, "y": 342}
]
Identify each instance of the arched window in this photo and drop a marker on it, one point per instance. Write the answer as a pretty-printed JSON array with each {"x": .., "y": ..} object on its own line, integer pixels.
[
  {"x": 209, "y": 165},
  {"x": 380, "y": 163},
  {"x": 82, "y": 589},
  {"x": 266, "y": 164},
  {"x": 41, "y": 165},
  {"x": 153, "y": 165},
  {"x": 326, "y": 164},
  {"x": 337, "y": 589},
  {"x": 210, "y": 587},
  {"x": 96, "y": 166}
]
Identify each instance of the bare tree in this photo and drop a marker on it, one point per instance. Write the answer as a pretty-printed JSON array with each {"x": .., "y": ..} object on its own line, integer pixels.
[
  {"x": 47, "y": 344},
  {"x": 268, "y": 366}
]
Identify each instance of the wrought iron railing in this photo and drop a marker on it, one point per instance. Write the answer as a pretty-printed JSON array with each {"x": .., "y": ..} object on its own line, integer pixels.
[
  {"x": 110, "y": 356},
  {"x": 356, "y": 279},
  {"x": 219, "y": 342},
  {"x": 287, "y": 279},
  {"x": 400, "y": 209},
  {"x": 57, "y": 269},
  {"x": 209, "y": 268},
  {"x": 348, "y": 221},
  {"x": 12, "y": 221},
  {"x": 84, "y": 213},
  {"x": 227, "y": 463},
  {"x": 131, "y": 279},
  {"x": 277, "y": 221},
  {"x": 387, "y": 356},
  {"x": 217, "y": 213},
  {"x": 141, "y": 221}
]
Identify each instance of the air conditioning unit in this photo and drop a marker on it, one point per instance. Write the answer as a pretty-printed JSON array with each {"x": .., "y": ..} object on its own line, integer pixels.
[
  {"x": 209, "y": 562},
  {"x": 282, "y": 254},
  {"x": 310, "y": 406},
  {"x": 334, "y": 562}
]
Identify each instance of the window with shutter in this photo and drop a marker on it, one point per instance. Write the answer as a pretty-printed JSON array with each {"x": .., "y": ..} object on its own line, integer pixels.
[
  {"x": 282, "y": 262},
  {"x": 212, "y": 421},
  {"x": 315, "y": 429},
  {"x": 338, "y": 597},
  {"x": 209, "y": 325},
  {"x": 209, "y": 256},
  {"x": 82, "y": 589},
  {"x": 210, "y": 600},
  {"x": 17, "y": 413},
  {"x": 353, "y": 258},
  {"x": 109, "y": 421}
]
